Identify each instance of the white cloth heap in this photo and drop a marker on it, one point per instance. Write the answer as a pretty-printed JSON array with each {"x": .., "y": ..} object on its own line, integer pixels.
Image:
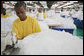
[{"x": 50, "y": 43}]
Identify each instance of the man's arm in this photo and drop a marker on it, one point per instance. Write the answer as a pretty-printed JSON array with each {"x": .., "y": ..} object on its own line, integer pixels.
[{"x": 15, "y": 32}]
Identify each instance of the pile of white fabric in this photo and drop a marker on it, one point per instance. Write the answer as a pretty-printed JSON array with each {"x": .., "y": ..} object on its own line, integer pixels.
[
  {"x": 43, "y": 26},
  {"x": 65, "y": 13},
  {"x": 65, "y": 23},
  {"x": 12, "y": 18},
  {"x": 52, "y": 22},
  {"x": 6, "y": 33},
  {"x": 6, "y": 39},
  {"x": 78, "y": 15},
  {"x": 50, "y": 13},
  {"x": 50, "y": 43},
  {"x": 6, "y": 24}
]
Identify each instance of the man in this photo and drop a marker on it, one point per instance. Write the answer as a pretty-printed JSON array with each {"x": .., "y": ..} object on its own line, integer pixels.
[
  {"x": 39, "y": 15},
  {"x": 44, "y": 14},
  {"x": 4, "y": 14},
  {"x": 24, "y": 25}
]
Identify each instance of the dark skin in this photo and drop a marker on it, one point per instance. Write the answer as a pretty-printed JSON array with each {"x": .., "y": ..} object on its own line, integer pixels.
[
  {"x": 3, "y": 12},
  {"x": 29, "y": 10},
  {"x": 44, "y": 10},
  {"x": 20, "y": 12},
  {"x": 40, "y": 10}
]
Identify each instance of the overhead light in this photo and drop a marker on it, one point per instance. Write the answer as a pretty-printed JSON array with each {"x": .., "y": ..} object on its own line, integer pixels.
[
  {"x": 45, "y": 6},
  {"x": 68, "y": 6},
  {"x": 73, "y": 1},
  {"x": 13, "y": 2},
  {"x": 65, "y": 5},
  {"x": 37, "y": 6},
  {"x": 6, "y": 2},
  {"x": 27, "y": 1},
  {"x": 60, "y": 2},
  {"x": 29, "y": 6},
  {"x": 55, "y": 5},
  {"x": 6, "y": 6}
]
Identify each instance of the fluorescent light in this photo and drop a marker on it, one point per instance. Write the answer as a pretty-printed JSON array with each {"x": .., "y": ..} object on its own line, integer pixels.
[
  {"x": 65, "y": 5},
  {"x": 6, "y": 2},
  {"x": 29, "y": 6}
]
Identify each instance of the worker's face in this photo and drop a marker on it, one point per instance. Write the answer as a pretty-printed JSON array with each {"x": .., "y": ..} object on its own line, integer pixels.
[
  {"x": 4, "y": 12},
  {"x": 43, "y": 10},
  {"x": 39, "y": 10},
  {"x": 20, "y": 11},
  {"x": 33, "y": 10},
  {"x": 65, "y": 9},
  {"x": 29, "y": 10}
]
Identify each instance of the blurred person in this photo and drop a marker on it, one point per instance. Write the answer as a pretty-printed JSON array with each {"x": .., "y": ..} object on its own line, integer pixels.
[
  {"x": 4, "y": 14},
  {"x": 44, "y": 14},
  {"x": 39, "y": 15}
]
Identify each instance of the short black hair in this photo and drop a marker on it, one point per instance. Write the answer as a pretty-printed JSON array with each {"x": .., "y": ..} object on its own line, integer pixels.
[
  {"x": 4, "y": 9},
  {"x": 20, "y": 4}
]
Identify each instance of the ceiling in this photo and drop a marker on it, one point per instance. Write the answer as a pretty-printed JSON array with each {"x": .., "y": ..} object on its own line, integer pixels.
[{"x": 45, "y": 4}]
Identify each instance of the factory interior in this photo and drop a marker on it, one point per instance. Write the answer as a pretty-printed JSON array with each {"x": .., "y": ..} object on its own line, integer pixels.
[{"x": 41, "y": 27}]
